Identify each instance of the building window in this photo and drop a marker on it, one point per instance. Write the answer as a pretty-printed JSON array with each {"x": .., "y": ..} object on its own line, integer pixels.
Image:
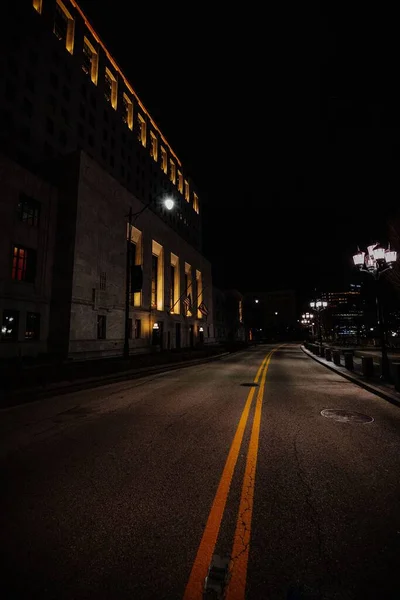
[
  {"x": 101, "y": 327},
  {"x": 240, "y": 311},
  {"x": 199, "y": 293},
  {"x": 64, "y": 26},
  {"x": 172, "y": 171},
  {"x": 28, "y": 210},
  {"x": 174, "y": 284},
  {"x": 32, "y": 329},
  {"x": 103, "y": 281},
  {"x": 138, "y": 329},
  {"x": 135, "y": 237},
  {"x": 180, "y": 182},
  {"x": 128, "y": 111},
  {"x": 188, "y": 296},
  {"x": 110, "y": 88},
  {"x": 187, "y": 191},
  {"x": 37, "y": 5},
  {"x": 24, "y": 264},
  {"x": 164, "y": 161},
  {"x": 153, "y": 146},
  {"x": 196, "y": 203},
  {"x": 9, "y": 328},
  {"x": 90, "y": 63},
  {"x": 142, "y": 134},
  {"x": 157, "y": 276}
]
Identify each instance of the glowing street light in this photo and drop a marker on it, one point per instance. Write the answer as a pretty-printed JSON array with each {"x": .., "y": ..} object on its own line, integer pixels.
[
  {"x": 169, "y": 203},
  {"x": 376, "y": 261},
  {"x": 318, "y": 306}
]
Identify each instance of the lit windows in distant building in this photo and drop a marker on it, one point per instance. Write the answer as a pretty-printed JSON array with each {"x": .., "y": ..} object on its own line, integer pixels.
[
  {"x": 196, "y": 203},
  {"x": 164, "y": 160},
  {"x": 23, "y": 264},
  {"x": 28, "y": 210},
  {"x": 153, "y": 146},
  {"x": 37, "y": 5},
  {"x": 142, "y": 132},
  {"x": 90, "y": 63},
  {"x": 128, "y": 111},
  {"x": 9, "y": 327},
  {"x": 110, "y": 88},
  {"x": 187, "y": 191},
  {"x": 172, "y": 171},
  {"x": 180, "y": 182},
  {"x": 64, "y": 26}
]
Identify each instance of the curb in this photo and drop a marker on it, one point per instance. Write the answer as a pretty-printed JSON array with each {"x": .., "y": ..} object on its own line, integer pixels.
[
  {"x": 20, "y": 397},
  {"x": 370, "y": 387}
]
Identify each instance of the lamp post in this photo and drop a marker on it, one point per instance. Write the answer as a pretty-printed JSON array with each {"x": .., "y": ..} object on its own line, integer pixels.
[
  {"x": 377, "y": 261},
  {"x": 132, "y": 218},
  {"x": 319, "y": 306},
  {"x": 307, "y": 319}
]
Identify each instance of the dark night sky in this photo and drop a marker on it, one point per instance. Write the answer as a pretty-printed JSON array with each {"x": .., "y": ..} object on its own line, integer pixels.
[{"x": 287, "y": 121}]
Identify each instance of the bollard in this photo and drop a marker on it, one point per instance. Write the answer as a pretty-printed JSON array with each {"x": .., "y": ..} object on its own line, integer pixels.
[
  {"x": 396, "y": 375},
  {"x": 336, "y": 357},
  {"x": 367, "y": 363},
  {"x": 328, "y": 354},
  {"x": 348, "y": 361}
]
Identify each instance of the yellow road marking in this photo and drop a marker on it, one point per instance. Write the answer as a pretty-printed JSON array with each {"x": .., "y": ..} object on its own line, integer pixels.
[
  {"x": 195, "y": 585},
  {"x": 241, "y": 544}
]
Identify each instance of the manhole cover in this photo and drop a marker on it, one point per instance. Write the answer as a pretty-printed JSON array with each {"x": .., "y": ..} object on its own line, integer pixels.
[
  {"x": 249, "y": 384},
  {"x": 345, "y": 416}
]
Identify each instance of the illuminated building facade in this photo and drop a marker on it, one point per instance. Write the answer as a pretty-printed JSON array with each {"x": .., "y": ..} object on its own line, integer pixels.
[{"x": 69, "y": 119}]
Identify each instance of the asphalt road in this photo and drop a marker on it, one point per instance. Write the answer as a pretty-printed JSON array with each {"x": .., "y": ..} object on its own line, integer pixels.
[{"x": 126, "y": 491}]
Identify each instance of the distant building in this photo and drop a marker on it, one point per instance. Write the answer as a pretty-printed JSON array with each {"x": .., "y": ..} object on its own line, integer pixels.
[
  {"x": 229, "y": 325},
  {"x": 270, "y": 314},
  {"x": 344, "y": 317},
  {"x": 79, "y": 149}
]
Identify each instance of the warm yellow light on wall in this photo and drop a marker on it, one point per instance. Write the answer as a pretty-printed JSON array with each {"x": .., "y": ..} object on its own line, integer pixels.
[
  {"x": 70, "y": 32},
  {"x": 199, "y": 285},
  {"x": 196, "y": 203},
  {"x": 187, "y": 191},
  {"x": 172, "y": 173},
  {"x": 164, "y": 161},
  {"x": 128, "y": 111},
  {"x": 175, "y": 285},
  {"x": 91, "y": 60},
  {"x": 110, "y": 89},
  {"x": 153, "y": 146},
  {"x": 142, "y": 133},
  {"x": 37, "y": 5},
  {"x": 180, "y": 182},
  {"x": 158, "y": 251}
]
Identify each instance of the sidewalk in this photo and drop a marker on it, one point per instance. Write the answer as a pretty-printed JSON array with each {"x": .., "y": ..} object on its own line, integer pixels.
[
  {"x": 24, "y": 383},
  {"x": 371, "y": 384}
]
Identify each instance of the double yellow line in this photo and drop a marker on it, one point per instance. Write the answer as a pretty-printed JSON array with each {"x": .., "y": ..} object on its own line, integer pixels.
[{"x": 241, "y": 543}]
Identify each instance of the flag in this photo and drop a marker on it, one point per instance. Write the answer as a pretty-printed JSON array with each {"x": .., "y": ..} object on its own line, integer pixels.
[
  {"x": 187, "y": 302},
  {"x": 203, "y": 309}
]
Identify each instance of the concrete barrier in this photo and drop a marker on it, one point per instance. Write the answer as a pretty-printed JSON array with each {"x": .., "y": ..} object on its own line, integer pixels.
[
  {"x": 367, "y": 365},
  {"x": 348, "y": 361},
  {"x": 336, "y": 357},
  {"x": 328, "y": 354}
]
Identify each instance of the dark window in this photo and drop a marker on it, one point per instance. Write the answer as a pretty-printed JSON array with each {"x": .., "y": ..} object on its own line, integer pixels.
[
  {"x": 106, "y": 116},
  {"x": 154, "y": 271},
  {"x": 28, "y": 210},
  {"x": 138, "y": 328},
  {"x": 60, "y": 23},
  {"x": 54, "y": 80},
  {"x": 56, "y": 57},
  {"x": 111, "y": 160},
  {"x": 32, "y": 330},
  {"x": 24, "y": 264},
  {"x": 81, "y": 130},
  {"x": 26, "y": 134},
  {"x": 30, "y": 84},
  {"x": 65, "y": 115},
  {"x": 105, "y": 135},
  {"x": 49, "y": 125},
  {"x": 83, "y": 90},
  {"x": 63, "y": 138},
  {"x": 101, "y": 327},
  {"x": 82, "y": 110},
  {"x": 91, "y": 120},
  {"x": 48, "y": 149},
  {"x": 130, "y": 329},
  {"x": 91, "y": 140},
  {"x": 103, "y": 153},
  {"x": 112, "y": 142},
  {"x": 66, "y": 92},
  {"x": 28, "y": 108},
  {"x": 103, "y": 281},
  {"x": 9, "y": 328}
]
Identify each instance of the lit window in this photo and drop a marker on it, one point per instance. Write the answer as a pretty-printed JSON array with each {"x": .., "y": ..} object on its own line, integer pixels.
[
  {"x": 28, "y": 210},
  {"x": 180, "y": 182},
  {"x": 199, "y": 292},
  {"x": 37, "y": 5},
  {"x": 136, "y": 262},
  {"x": 187, "y": 191},
  {"x": 164, "y": 160},
  {"x": 110, "y": 88},
  {"x": 188, "y": 292},
  {"x": 196, "y": 203},
  {"x": 142, "y": 133},
  {"x": 153, "y": 146},
  {"x": 157, "y": 276},
  {"x": 64, "y": 26},
  {"x": 172, "y": 174},
  {"x": 32, "y": 329},
  {"x": 9, "y": 326},
  {"x": 90, "y": 63},
  {"x": 128, "y": 111},
  {"x": 174, "y": 285},
  {"x": 24, "y": 264}
]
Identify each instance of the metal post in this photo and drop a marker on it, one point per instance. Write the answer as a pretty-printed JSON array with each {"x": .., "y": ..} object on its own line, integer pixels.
[
  {"x": 127, "y": 286},
  {"x": 320, "y": 332},
  {"x": 385, "y": 369}
]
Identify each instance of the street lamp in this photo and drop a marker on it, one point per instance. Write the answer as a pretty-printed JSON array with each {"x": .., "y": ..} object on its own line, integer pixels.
[
  {"x": 169, "y": 204},
  {"x": 377, "y": 261},
  {"x": 318, "y": 306}
]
